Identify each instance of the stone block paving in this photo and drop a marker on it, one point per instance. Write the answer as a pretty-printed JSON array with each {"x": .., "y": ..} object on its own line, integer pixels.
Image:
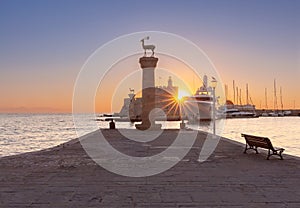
[{"x": 65, "y": 176}]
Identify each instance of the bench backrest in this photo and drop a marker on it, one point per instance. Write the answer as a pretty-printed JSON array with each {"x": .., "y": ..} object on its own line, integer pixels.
[{"x": 257, "y": 141}]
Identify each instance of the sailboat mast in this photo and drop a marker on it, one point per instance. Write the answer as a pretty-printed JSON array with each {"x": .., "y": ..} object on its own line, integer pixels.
[
  {"x": 226, "y": 92},
  {"x": 237, "y": 95},
  {"x": 266, "y": 100},
  {"x": 240, "y": 96},
  {"x": 260, "y": 104},
  {"x": 275, "y": 96},
  {"x": 281, "y": 99},
  {"x": 233, "y": 91},
  {"x": 247, "y": 95}
]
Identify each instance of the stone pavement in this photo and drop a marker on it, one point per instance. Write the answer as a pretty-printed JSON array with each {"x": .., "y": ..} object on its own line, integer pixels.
[{"x": 65, "y": 176}]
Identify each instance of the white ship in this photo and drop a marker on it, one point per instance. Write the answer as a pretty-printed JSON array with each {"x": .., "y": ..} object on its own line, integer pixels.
[{"x": 199, "y": 106}]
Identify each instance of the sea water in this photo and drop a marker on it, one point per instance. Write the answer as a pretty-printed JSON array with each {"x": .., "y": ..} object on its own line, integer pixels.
[{"x": 21, "y": 133}]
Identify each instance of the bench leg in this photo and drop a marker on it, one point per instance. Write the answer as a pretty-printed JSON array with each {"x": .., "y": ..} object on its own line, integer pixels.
[
  {"x": 250, "y": 147},
  {"x": 281, "y": 158},
  {"x": 274, "y": 153},
  {"x": 245, "y": 151},
  {"x": 269, "y": 154}
]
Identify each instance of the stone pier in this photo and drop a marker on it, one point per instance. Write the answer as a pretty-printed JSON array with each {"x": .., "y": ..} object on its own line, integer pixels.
[{"x": 64, "y": 176}]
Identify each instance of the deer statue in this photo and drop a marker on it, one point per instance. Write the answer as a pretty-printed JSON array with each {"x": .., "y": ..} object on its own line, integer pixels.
[
  {"x": 131, "y": 90},
  {"x": 147, "y": 47}
]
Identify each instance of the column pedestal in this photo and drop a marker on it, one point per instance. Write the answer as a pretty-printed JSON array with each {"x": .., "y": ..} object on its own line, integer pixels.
[{"x": 148, "y": 65}]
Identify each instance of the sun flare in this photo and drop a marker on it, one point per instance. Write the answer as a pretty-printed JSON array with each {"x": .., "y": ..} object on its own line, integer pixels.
[{"x": 182, "y": 93}]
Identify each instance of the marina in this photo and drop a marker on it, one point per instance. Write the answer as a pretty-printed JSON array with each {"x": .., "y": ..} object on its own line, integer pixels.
[{"x": 203, "y": 105}]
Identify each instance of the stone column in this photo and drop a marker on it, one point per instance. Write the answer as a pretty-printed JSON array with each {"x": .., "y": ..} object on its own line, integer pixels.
[{"x": 148, "y": 65}]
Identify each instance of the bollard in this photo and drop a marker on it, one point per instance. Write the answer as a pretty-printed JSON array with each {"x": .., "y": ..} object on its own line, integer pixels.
[{"x": 112, "y": 124}]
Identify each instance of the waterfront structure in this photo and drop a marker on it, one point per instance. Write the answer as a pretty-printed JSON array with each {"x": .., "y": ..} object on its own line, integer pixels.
[
  {"x": 165, "y": 99},
  {"x": 148, "y": 65}
]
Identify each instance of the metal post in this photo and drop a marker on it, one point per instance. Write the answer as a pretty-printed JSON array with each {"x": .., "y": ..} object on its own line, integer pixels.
[
  {"x": 182, "y": 124},
  {"x": 214, "y": 85},
  {"x": 214, "y": 111}
]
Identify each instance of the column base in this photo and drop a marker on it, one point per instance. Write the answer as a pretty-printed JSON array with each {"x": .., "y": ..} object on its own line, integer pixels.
[
  {"x": 182, "y": 125},
  {"x": 144, "y": 126}
]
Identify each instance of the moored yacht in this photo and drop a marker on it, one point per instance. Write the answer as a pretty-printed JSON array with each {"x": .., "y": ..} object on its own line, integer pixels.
[
  {"x": 199, "y": 106},
  {"x": 229, "y": 110}
]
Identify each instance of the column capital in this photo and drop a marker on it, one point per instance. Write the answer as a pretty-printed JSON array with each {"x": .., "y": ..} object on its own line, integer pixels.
[{"x": 148, "y": 62}]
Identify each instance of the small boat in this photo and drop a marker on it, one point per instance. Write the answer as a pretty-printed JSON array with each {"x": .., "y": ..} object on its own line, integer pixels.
[
  {"x": 273, "y": 114},
  {"x": 235, "y": 113}
]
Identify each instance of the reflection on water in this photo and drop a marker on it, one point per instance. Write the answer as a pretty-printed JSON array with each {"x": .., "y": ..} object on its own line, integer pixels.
[
  {"x": 283, "y": 131},
  {"x": 30, "y": 132}
]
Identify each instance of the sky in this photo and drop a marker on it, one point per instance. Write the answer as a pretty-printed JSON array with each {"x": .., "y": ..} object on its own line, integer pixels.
[{"x": 44, "y": 44}]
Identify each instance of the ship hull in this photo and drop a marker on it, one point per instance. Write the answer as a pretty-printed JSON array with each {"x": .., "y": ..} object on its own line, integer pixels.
[{"x": 198, "y": 110}]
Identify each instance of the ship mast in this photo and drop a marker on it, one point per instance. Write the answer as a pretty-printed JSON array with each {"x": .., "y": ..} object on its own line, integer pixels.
[
  {"x": 247, "y": 95},
  {"x": 237, "y": 95},
  {"x": 226, "y": 92},
  {"x": 240, "y": 96},
  {"x": 233, "y": 91},
  {"x": 281, "y": 99},
  {"x": 275, "y": 96},
  {"x": 266, "y": 100}
]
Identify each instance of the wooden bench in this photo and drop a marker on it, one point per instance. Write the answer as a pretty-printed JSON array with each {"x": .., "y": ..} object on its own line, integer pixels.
[{"x": 253, "y": 142}]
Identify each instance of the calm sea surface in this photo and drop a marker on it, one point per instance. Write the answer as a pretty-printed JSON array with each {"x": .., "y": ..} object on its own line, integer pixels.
[{"x": 21, "y": 133}]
